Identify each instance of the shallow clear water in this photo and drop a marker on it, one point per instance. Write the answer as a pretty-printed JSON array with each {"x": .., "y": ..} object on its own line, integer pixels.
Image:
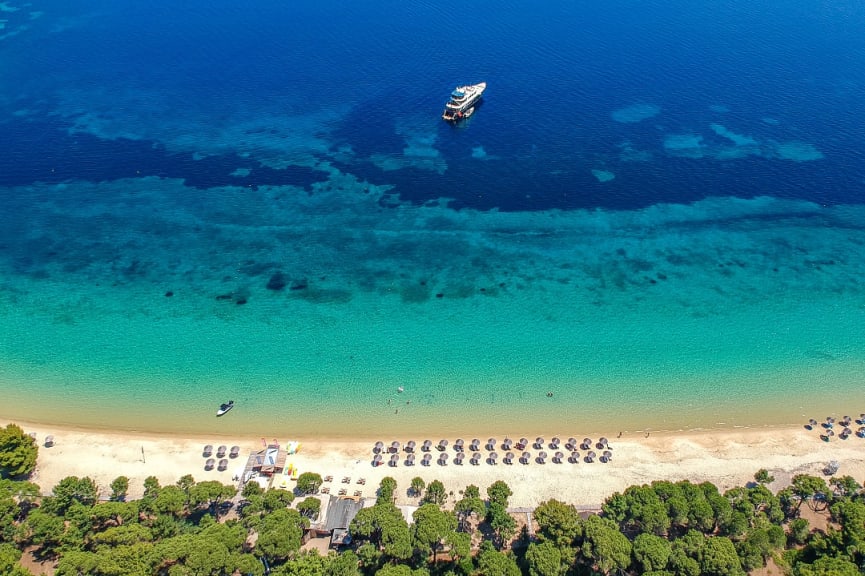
[{"x": 656, "y": 216}]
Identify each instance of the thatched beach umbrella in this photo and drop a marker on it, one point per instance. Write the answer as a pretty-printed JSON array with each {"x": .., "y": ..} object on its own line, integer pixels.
[
  {"x": 379, "y": 446},
  {"x": 427, "y": 444},
  {"x": 410, "y": 446},
  {"x": 493, "y": 457},
  {"x": 458, "y": 445},
  {"x": 525, "y": 457},
  {"x": 394, "y": 446},
  {"x": 572, "y": 443},
  {"x": 557, "y": 457},
  {"x": 223, "y": 465},
  {"x": 590, "y": 456},
  {"x": 208, "y": 450},
  {"x": 209, "y": 464},
  {"x": 509, "y": 458},
  {"x": 409, "y": 460},
  {"x": 475, "y": 445},
  {"x": 554, "y": 443},
  {"x": 542, "y": 456},
  {"x": 443, "y": 458},
  {"x": 539, "y": 442},
  {"x": 220, "y": 452},
  {"x": 587, "y": 443},
  {"x": 522, "y": 443},
  {"x": 602, "y": 443},
  {"x": 476, "y": 458},
  {"x": 575, "y": 457},
  {"x": 443, "y": 444},
  {"x": 376, "y": 460},
  {"x": 426, "y": 459},
  {"x": 605, "y": 456},
  {"x": 491, "y": 444},
  {"x": 507, "y": 443},
  {"x": 458, "y": 459},
  {"x": 394, "y": 459},
  {"x": 235, "y": 452}
]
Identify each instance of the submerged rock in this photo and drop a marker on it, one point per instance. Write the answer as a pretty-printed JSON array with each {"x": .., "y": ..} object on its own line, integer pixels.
[{"x": 277, "y": 282}]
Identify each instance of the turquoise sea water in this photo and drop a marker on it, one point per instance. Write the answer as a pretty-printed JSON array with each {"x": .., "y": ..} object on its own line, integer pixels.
[{"x": 186, "y": 219}]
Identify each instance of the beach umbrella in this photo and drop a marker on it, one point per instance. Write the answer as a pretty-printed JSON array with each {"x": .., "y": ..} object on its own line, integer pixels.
[
  {"x": 394, "y": 446},
  {"x": 379, "y": 446},
  {"x": 522, "y": 443},
  {"x": 410, "y": 445},
  {"x": 506, "y": 444},
  {"x": 223, "y": 465},
  {"x": 493, "y": 457},
  {"x": 603, "y": 442},
  {"x": 394, "y": 459},
  {"x": 491, "y": 444},
  {"x": 410, "y": 459},
  {"x": 587, "y": 443},
  {"x": 235, "y": 452},
  {"x": 475, "y": 445},
  {"x": 861, "y": 432},
  {"x": 526, "y": 457},
  {"x": 209, "y": 464},
  {"x": 509, "y": 458},
  {"x": 458, "y": 445},
  {"x": 575, "y": 457},
  {"x": 572, "y": 443},
  {"x": 557, "y": 458},
  {"x": 554, "y": 443},
  {"x": 443, "y": 458},
  {"x": 812, "y": 422},
  {"x": 542, "y": 456},
  {"x": 427, "y": 444},
  {"x": 376, "y": 460},
  {"x": 458, "y": 459},
  {"x": 426, "y": 459},
  {"x": 830, "y": 433},
  {"x": 846, "y": 431},
  {"x": 208, "y": 450},
  {"x": 539, "y": 442},
  {"x": 220, "y": 452},
  {"x": 443, "y": 444},
  {"x": 476, "y": 457},
  {"x": 590, "y": 456}
]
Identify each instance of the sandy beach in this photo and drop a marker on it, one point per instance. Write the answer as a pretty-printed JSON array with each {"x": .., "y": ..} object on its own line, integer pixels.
[{"x": 727, "y": 458}]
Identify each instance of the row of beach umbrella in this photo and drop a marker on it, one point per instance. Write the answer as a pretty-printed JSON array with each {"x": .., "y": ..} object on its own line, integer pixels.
[
  {"x": 844, "y": 424},
  {"x": 475, "y": 458},
  {"x": 207, "y": 452},
  {"x": 222, "y": 466},
  {"x": 491, "y": 445}
]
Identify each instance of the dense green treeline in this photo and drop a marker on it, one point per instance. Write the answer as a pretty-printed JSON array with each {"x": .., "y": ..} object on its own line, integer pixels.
[{"x": 206, "y": 528}]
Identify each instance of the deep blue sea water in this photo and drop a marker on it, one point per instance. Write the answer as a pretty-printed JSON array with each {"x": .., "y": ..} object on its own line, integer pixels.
[{"x": 206, "y": 130}]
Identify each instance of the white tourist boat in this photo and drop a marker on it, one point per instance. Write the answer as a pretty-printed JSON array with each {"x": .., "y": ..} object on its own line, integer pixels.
[
  {"x": 462, "y": 102},
  {"x": 223, "y": 408}
]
